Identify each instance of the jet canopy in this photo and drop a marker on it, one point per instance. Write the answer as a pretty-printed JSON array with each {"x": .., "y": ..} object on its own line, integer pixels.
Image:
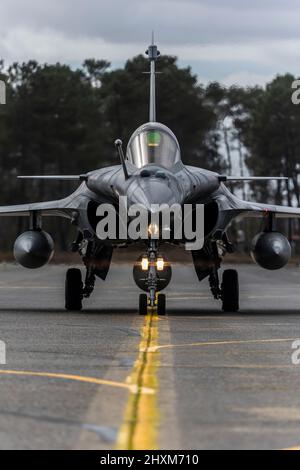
[{"x": 153, "y": 143}]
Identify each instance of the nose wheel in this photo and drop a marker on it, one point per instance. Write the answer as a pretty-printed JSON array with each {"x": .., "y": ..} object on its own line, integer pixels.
[
  {"x": 143, "y": 304},
  {"x": 159, "y": 304}
]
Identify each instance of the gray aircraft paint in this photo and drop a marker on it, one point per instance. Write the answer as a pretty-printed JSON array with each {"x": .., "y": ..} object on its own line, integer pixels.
[{"x": 180, "y": 184}]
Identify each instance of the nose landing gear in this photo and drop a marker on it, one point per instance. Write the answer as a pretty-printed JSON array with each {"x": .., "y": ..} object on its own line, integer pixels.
[
  {"x": 152, "y": 274},
  {"x": 160, "y": 304},
  {"x": 143, "y": 304}
]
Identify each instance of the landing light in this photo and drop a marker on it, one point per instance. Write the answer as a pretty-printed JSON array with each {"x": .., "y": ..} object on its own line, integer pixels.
[
  {"x": 160, "y": 264},
  {"x": 153, "y": 230},
  {"x": 145, "y": 264}
]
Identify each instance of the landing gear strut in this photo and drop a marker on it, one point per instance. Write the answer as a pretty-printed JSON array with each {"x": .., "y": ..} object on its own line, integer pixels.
[
  {"x": 152, "y": 274},
  {"x": 89, "y": 283}
]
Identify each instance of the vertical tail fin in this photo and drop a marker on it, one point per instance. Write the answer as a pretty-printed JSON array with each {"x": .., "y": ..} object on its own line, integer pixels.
[{"x": 153, "y": 54}]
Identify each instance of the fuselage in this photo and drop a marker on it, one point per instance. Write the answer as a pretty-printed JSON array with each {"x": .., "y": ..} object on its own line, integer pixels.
[{"x": 155, "y": 178}]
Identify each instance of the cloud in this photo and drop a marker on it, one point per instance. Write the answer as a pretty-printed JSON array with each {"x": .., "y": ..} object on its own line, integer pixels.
[
  {"x": 247, "y": 79},
  {"x": 266, "y": 35},
  {"x": 177, "y": 21}
]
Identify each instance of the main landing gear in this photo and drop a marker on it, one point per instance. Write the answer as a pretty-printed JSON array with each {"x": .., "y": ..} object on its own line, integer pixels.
[
  {"x": 228, "y": 292},
  {"x": 73, "y": 289},
  {"x": 76, "y": 290},
  {"x": 97, "y": 259}
]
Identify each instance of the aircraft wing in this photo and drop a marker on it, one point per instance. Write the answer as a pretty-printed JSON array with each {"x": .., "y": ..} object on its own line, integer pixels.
[
  {"x": 59, "y": 208},
  {"x": 257, "y": 210},
  {"x": 233, "y": 207},
  {"x": 252, "y": 209}
]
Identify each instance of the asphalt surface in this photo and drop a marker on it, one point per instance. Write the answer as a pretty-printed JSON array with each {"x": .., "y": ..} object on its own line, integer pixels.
[{"x": 195, "y": 379}]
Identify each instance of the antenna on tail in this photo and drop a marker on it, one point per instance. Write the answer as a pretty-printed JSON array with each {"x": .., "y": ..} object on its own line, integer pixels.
[{"x": 153, "y": 54}]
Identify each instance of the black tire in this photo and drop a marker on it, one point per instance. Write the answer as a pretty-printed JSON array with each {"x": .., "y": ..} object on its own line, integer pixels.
[
  {"x": 161, "y": 304},
  {"x": 73, "y": 289},
  {"x": 230, "y": 291},
  {"x": 143, "y": 304}
]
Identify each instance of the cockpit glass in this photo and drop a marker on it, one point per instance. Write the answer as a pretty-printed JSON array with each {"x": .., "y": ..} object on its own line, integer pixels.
[{"x": 156, "y": 145}]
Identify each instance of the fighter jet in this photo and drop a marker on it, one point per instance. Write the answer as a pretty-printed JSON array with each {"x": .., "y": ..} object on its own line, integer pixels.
[{"x": 151, "y": 172}]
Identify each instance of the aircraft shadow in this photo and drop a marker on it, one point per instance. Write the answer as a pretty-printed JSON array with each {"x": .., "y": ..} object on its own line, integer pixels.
[
  {"x": 242, "y": 312},
  {"x": 179, "y": 312}
]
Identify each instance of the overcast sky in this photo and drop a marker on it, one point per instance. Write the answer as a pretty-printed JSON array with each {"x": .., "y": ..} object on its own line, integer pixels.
[{"x": 233, "y": 41}]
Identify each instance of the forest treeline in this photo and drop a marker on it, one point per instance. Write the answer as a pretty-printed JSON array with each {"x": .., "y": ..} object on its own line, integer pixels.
[{"x": 61, "y": 120}]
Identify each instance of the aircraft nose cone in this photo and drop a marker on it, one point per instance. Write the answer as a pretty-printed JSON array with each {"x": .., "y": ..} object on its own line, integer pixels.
[{"x": 153, "y": 192}]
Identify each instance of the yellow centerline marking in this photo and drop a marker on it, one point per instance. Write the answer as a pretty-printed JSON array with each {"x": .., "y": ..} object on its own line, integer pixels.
[
  {"x": 80, "y": 378},
  {"x": 155, "y": 348},
  {"x": 139, "y": 428}
]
